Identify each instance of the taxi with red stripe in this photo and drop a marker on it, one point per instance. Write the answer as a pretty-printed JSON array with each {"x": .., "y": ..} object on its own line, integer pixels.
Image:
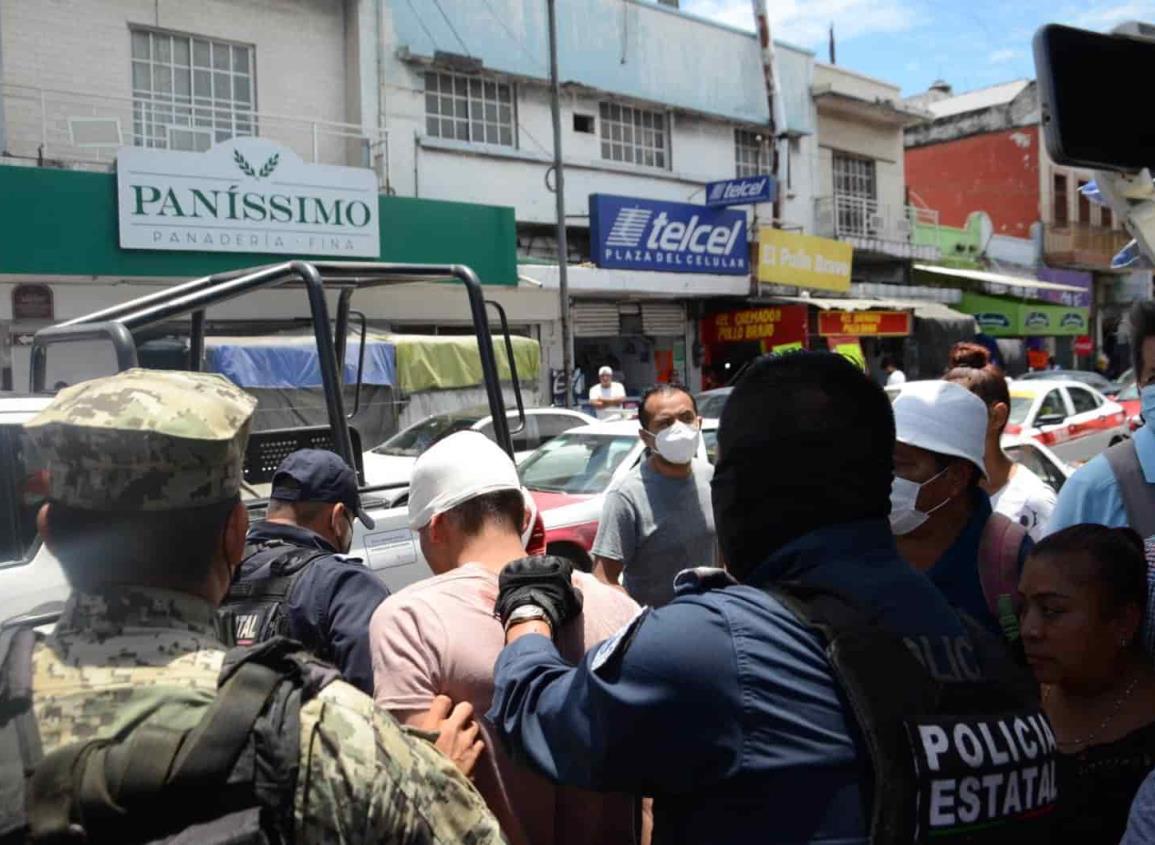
[{"x": 1074, "y": 420}]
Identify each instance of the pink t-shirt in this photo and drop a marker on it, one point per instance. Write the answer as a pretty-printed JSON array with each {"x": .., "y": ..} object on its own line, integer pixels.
[{"x": 439, "y": 636}]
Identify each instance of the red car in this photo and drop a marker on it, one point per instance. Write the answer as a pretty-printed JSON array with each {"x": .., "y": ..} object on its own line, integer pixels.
[
  {"x": 1129, "y": 398},
  {"x": 569, "y": 477}
]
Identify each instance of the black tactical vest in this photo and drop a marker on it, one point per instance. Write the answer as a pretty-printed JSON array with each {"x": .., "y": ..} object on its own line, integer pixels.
[
  {"x": 229, "y": 779},
  {"x": 256, "y": 608},
  {"x": 959, "y": 749}
]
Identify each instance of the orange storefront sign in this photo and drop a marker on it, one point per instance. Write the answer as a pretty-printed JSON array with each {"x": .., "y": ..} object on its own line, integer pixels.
[
  {"x": 778, "y": 324},
  {"x": 864, "y": 323}
]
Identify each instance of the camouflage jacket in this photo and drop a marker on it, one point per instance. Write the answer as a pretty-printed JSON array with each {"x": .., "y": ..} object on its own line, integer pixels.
[{"x": 121, "y": 659}]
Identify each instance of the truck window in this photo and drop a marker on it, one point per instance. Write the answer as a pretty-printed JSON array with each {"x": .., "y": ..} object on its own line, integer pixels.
[{"x": 22, "y": 491}]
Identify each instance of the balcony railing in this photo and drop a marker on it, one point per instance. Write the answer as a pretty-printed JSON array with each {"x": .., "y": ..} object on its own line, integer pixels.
[
  {"x": 1082, "y": 245},
  {"x": 83, "y": 130},
  {"x": 873, "y": 226}
]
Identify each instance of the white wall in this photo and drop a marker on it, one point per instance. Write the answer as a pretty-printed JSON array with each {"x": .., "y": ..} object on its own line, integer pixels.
[
  {"x": 701, "y": 149},
  {"x": 879, "y": 141},
  {"x": 84, "y": 46}
]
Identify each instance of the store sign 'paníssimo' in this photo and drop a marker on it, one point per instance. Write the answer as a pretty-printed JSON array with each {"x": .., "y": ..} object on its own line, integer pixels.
[
  {"x": 245, "y": 195},
  {"x": 629, "y": 233}
]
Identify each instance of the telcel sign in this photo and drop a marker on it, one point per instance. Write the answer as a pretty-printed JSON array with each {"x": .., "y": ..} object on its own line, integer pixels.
[
  {"x": 746, "y": 191},
  {"x": 628, "y": 233},
  {"x": 245, "y": 195}
]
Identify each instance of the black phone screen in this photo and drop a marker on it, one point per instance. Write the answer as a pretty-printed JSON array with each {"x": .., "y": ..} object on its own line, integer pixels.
[{"x": 1096, "y": 112}]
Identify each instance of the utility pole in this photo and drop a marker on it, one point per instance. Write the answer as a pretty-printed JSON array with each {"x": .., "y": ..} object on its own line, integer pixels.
[
  {"x": 773, "y": 96},
  {"x": 559, "y": 193}
]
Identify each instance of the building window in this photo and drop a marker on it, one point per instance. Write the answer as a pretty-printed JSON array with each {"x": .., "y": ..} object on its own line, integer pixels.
[
  {"x": 1084, "y": 204},
  {"x": 1060, "y": 211},
  {"x": 634, "y": 135},
  {"x": 189, "y": 93},
  {"x": 751, "y": 153},
  {"x": 1106, "y": 219},
  {"x": 583, "y": 123},
  {"x": 854, "y": 176},
  {"x": 469, "y": 108},
  {"x": 855, "y": 190}
]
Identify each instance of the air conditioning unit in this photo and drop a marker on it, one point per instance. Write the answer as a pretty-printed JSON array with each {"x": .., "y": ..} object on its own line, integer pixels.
[
  {"x": 875, "y": 222},
  {"x": 903, "y": 226}
]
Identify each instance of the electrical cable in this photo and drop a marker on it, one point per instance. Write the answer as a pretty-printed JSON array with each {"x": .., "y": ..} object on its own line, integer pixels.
[{"x": 449, "y": 24}]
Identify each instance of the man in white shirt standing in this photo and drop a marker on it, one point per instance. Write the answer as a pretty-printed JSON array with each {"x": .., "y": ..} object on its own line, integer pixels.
[
  {"x": 607, "y": 396},
  {"x": 894, "y": 375}
]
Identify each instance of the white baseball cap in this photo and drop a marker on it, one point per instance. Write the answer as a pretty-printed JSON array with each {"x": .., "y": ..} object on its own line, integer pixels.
[
  {"x": 461, "y": 467},
  {"x": 605, "y": 371},
  {"x": 943, "y": 417}
]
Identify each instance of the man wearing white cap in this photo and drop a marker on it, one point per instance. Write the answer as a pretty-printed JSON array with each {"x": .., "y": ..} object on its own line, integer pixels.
[
  {"x": 942, "y": 519},
  {"x": 607, "y": 396},
  {"x": 440, "y": 636}
]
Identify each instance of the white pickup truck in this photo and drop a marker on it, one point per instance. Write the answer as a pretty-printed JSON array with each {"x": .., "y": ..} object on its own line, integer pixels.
[{"x": 30, "y": 577}]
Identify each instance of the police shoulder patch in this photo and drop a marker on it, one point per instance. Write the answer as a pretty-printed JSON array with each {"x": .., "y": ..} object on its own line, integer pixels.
[{"x": 612, "y": 649}]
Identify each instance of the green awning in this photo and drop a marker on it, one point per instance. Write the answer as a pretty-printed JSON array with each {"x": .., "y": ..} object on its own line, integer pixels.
[{"x": 1002, "y": 317}]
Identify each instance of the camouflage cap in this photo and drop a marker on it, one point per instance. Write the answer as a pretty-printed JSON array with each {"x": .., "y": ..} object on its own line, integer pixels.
[{"x": 149, "y": 440}]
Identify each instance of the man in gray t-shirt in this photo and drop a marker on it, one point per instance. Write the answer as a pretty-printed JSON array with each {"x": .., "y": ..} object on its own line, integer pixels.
[{"x": 659, "y": 519}]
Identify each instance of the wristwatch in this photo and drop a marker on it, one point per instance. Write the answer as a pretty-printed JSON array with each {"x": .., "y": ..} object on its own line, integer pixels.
[{"x": 527, "y": 613}]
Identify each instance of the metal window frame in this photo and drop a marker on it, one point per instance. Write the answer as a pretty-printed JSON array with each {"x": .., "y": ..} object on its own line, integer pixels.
[
  {"x": 154, "y": 133},
  {"x": 471, "y": 104},
  {"x": 751, "y": 156},
  {"x": 636, "y": 125},
  {"x": 855, "y": 176}
]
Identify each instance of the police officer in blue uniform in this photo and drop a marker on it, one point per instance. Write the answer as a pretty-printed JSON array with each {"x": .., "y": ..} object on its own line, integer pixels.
[
  {"x": 770, "y": 703},
  {"x": 297, "y": 578}
]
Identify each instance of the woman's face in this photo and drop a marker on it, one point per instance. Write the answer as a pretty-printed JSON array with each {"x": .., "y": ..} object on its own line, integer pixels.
[{"x": 1072, "y": 636}]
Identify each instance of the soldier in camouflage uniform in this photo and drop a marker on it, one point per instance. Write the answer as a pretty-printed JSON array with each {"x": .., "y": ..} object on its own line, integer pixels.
[{"x": 159, "y": 454}]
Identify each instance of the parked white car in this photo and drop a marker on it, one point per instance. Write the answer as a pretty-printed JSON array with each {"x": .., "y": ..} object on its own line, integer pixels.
[
  {"x": 29, "y": 575},
  {"x": 391, "y": 463},
  {"x": 1074, "y": 420}
]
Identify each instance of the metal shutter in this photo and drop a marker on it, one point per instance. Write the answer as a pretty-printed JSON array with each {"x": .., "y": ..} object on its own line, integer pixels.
[
  {"x": 595, "y": 319},
  {"x": 663, "y": 319}
]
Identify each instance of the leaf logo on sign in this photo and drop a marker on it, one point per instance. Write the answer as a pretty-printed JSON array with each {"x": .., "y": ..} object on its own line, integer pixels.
[{"x": 266, "y": 169}]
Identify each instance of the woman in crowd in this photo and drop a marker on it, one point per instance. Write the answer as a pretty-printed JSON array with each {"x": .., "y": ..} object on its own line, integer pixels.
[
  {"x": 1084, "y": 594},
  {"x": 1015, "y": 491}
]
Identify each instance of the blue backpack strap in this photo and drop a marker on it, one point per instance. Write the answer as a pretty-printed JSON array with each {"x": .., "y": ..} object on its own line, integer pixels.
[{"x": 1137, "y": 494}]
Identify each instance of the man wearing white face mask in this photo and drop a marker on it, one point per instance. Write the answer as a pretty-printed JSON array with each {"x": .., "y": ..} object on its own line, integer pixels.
[
  {"x": 659, "y": 519},
  {"x": 941, "y": 518},
  {"x": 1117, "y": 488}
]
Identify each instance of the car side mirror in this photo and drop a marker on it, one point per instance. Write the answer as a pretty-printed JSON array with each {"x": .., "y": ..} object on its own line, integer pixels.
[{"x": 1050, "y": 419}]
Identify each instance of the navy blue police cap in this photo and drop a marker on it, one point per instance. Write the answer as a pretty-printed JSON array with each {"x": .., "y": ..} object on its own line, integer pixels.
[{"x": 318, "y": 475}]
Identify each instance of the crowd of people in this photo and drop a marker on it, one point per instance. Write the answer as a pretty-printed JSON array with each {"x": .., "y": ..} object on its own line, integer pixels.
[{"x": 864, "y": 623}]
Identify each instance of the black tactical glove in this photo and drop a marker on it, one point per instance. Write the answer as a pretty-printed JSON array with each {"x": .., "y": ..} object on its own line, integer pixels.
[{"x": 545, "y": 581}]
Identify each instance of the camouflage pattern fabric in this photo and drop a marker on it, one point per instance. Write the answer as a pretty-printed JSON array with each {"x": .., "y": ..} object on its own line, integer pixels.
[
  {"x": 134, "y": 656},
  {"x": 145, "y": 440}
]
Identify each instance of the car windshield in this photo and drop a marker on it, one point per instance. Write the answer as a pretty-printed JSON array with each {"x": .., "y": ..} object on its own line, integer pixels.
[
  {"x": 1020, "y": 406},
  {"x": 1130, "y": 393},
  {"x": 576, "y": 463},
  {"x": 710, "y": 405},
  {"x": 412, "y": 441}
]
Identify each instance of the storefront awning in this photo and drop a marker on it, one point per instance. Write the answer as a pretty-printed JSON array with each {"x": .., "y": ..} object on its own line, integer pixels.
[
  {"x": 923, "y": 310},
  {"x": 997, "y": 279}
]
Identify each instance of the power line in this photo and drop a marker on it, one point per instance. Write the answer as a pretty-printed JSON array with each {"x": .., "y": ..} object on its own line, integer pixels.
[
  {"x": 449, "y": 24},
  {"x": 421, "y": 23},
  {"x": 509, "y": 32}
]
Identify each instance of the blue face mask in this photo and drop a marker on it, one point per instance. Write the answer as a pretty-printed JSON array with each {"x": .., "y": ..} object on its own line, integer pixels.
[{"x": 1147, "y": 398}]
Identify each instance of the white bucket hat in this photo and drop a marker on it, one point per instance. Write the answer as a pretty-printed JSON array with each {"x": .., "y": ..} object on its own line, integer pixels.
[
  {"x": 943, "y": 417},
  {"x": 461, "y": 467}
]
